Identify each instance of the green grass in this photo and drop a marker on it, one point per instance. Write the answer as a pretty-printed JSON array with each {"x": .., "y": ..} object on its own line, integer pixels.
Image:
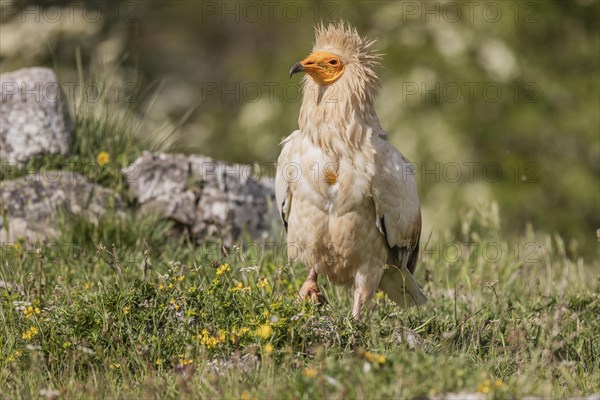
[
  {"x": 124, "y": 309},
  {"x": 118, "y": 311}
]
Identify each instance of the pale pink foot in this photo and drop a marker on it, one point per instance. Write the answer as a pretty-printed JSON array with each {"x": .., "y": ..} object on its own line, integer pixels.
[{"x": 310, "y": 289}]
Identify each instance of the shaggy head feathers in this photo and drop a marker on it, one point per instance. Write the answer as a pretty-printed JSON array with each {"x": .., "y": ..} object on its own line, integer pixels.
[
  {"x": 344, "y": 41},
  {"x": 344, "y": 107},
  {"x": 356, "y": 52}
]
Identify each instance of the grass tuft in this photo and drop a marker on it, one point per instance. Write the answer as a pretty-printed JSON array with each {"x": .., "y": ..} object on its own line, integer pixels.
[{"x": 127, "y": 311}]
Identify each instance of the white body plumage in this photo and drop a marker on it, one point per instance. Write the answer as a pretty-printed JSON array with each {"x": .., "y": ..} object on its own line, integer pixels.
[{"x": 347, "y": 196}]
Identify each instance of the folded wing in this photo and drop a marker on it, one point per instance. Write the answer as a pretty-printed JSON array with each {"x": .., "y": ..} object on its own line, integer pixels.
[{"x": 398, "y": 213}]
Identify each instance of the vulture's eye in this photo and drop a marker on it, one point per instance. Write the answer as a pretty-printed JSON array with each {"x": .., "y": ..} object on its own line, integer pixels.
[{"x": 333, "y": 62}]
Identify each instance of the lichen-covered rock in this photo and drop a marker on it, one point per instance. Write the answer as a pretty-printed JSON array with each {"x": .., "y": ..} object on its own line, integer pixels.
[
  {"x": 209, "y": 198},
  {"x": 29, "y": 205},
  {"x": 33, "y": 116}
]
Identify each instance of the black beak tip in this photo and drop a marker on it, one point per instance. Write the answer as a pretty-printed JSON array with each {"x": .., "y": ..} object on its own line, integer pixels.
[{"x": 296, "y": 68}]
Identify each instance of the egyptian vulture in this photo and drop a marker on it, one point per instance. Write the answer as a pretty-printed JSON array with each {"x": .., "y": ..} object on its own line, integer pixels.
[{"x": 348, "y": 198}]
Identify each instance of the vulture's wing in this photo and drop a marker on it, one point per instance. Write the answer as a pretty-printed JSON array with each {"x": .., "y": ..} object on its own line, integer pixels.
[
  {"x": 283, "y": 194},
  {"x": 394, "y": 191}
]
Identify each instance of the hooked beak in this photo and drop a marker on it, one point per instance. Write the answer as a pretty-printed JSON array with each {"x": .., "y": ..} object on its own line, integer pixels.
[{"x": 296, "y": 68}]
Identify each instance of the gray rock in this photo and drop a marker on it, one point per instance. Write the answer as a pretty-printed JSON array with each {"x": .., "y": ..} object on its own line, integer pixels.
[
  {"x": 211, "y": 199},
  {"x": 29, "y": 205},
  {"x": 33, "y": 116}
]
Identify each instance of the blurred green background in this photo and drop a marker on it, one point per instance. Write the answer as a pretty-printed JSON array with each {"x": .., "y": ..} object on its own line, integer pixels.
[{"x": 492, "y": 100}]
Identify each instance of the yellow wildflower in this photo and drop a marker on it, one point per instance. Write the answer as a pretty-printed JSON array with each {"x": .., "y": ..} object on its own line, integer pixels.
[
  {"x": 126, "y": 310},
  {"x": 264, "y": 331},
  {"x": 238, "y": 286},
  {"x": 484, "y": 387},
  {"x": 192, "y": 289},
  {"x": 158, "y": 361},
  {"x": 190, "y": 312},
  {"x": 245, "y": 396},
  {"x": 310, "y": 372},
  {"x": 211, "y": 341},
  {"x": 498, "y": 383},
  {"x": 88, "y": 285},
  {"x": 115, "y": 366},
  {"x": 30, "y": 333},
  {"x": 223, "y": 268},
  {"x": 268, "y": 348},
  {"x": 16, "y": 246},
  {"x": 236, "y": 333},
  {"x": 183, "y": 361},
  {"x": 103, "y": 158},
  {"x": 262, "y": 283},
  {"x": 179, "y": 278},
  {"x": 29, "y": 311},
  {"x": 13, "y": 356},
  {"x": 375, "y": 358},
  {"x": 173, "y": 303}
]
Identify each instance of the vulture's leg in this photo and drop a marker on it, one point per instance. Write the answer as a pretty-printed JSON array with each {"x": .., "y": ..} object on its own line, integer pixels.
[
  {"x": 365, "y": 285},
  {"x": 358, "y": 303},
  {"x": 310, "y": 289}
]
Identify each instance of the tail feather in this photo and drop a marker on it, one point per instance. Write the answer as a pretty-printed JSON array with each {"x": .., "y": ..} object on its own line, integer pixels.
[
  {"x": 412, "y": 259},
  {"x": 400, "y": 286}
]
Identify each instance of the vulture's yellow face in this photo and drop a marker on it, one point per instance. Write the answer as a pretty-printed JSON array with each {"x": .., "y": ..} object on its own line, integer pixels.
[{"x": 325, "y": 68}]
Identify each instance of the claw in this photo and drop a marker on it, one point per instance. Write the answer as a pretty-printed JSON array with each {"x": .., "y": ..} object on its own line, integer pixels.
[{"x": 310, "y": 290}]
